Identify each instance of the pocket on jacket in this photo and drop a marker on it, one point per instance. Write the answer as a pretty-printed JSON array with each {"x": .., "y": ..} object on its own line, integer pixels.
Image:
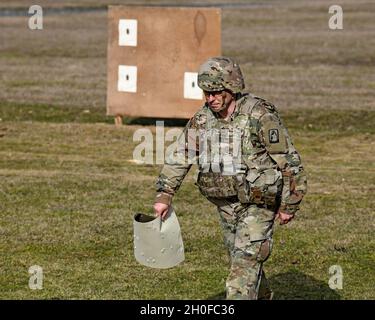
[{"x": 264, "y": 185}]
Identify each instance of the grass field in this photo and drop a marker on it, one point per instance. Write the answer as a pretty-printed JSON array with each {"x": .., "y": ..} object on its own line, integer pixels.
[{"x": 68, "y": 192}]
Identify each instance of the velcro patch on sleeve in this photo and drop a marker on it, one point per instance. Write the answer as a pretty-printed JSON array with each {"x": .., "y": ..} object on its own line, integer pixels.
[{"x": 273, "y": 135}]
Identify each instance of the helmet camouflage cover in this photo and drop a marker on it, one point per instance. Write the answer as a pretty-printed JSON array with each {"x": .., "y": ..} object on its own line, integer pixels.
[{"x": 219, "y": 73}]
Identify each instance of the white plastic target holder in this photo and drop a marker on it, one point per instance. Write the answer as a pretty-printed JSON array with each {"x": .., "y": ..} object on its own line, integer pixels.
[
  {"x": 127, "y": 78},
  {"x": 127, "y": 31},
  {"x": 191, "y": 89}
]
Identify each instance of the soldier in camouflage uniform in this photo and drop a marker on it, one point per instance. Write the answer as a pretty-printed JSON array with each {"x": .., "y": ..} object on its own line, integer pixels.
[{"x": 268, "y": 182}]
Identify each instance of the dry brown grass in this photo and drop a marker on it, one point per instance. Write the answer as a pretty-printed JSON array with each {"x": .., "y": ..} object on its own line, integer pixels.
[
  {"x": 68, "y": 194},
  {"x": 286, "y": 43},
  {"x": 68, "y": 191}
]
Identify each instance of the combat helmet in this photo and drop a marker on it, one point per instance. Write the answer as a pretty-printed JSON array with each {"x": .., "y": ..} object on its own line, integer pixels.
[{"x": 219, "y": 73}]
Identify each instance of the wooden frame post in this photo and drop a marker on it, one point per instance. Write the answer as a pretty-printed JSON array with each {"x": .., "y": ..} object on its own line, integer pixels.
[{"x": 118, "y": 120}]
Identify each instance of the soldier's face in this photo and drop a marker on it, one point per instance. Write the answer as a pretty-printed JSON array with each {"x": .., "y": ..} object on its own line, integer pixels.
[{"x": 218, "y": 100}]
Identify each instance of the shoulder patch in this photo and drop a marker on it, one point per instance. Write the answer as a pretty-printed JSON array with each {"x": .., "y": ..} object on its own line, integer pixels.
[{"x": 273, "y": 135}]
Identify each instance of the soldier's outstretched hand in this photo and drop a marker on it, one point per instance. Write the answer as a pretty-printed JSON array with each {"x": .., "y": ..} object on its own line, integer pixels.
[
  {"x": 161, "y": 209},
  {"x": 284, "y": 217}
]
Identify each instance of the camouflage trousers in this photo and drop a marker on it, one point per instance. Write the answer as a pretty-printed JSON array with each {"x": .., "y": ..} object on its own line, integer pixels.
[{"x": 248, "y": 233}]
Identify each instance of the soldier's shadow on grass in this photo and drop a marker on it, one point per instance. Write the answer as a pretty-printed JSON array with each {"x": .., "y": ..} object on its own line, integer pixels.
[{"x": 294, "y": 285}]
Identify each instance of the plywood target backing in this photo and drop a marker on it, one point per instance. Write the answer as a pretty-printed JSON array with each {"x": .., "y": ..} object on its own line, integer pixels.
[{"x": 153, "y": 57}]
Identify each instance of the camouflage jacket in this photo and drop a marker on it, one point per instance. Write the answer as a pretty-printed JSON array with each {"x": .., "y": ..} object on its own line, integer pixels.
[{"x": 270, "y": 165}]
